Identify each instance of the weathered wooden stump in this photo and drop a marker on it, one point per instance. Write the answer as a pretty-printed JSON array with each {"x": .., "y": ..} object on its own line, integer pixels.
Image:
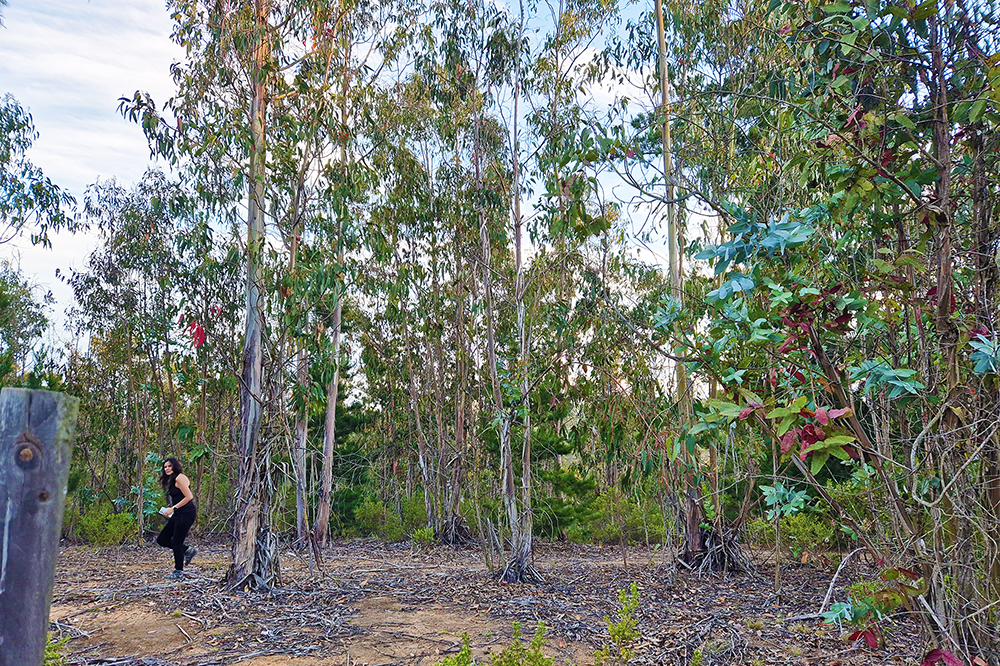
[{"x": 36, "y": 433}]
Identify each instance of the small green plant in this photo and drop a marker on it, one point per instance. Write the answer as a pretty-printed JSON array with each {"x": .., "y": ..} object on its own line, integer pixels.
[
  {"x": 696, "y": 658},
  {"x": 423, "y": 536},
  {"x": 755, "y": 624},
  {"x": 868, "y": 605},
  {"x": 624, "y": 633},
  {"x": 101, "y": 526},
  {"x": 783, "y": 501},
  {"x": 516, "y": 654},
  {"x": 463, "y": 658},
  {"x": 54, "y": 652}
]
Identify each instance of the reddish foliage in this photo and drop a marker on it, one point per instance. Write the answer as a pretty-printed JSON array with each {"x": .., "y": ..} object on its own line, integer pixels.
[
  {"x": 936, "y": 655},
  {"x": 197, "y": 333}
]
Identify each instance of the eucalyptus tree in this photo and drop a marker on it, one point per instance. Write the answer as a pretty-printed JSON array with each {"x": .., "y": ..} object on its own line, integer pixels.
[
  {"x": 127, "y": 292},
  {"x": 544, "y": 113},
  {"x": 29, "y": 202},
  {"x": 361, "y": 51},
  {"x": 22, "y": 321},
  {"x": 260, "y": 109},
  {"x": 854, "y": 322}
]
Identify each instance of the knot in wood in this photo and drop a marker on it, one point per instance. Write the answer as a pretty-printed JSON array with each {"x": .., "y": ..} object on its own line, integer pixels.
[{"x": 27, "y": 452}]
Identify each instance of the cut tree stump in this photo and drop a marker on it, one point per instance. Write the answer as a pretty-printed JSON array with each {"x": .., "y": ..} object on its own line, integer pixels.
[{"x": 36, "y": 433}]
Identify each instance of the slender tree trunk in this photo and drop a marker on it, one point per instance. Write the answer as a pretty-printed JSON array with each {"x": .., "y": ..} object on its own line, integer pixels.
[
  {"x": 693, "y": 513},
  {"x": 518, "y": 503},
  {"x": 301, "y": 440},
  {"x": 250, "y": 566},
  {"x": 330, "y": 430},
  {"x": 426, "y": 476},
  {"x": 322, "y": 525}
]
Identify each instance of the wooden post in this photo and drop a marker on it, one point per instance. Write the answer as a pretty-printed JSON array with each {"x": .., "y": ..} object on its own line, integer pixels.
[{"x": 36, "y": 432}]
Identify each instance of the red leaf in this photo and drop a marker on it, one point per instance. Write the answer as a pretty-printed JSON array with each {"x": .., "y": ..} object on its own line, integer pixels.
[
  {"x": 936, "y": 655},
  {"x": 197, "y": 334},
  {"x": 913, "y": 575},
  {"x": 849, "y": 450},
  {"x": 789, "y": 440},
  {"x": 855, "y": 636},
  {"x": 837, "y": 413},
  {"x": 798, "y": 375},
  {"x": 787, "y": 344},
  {"x": 745, "y": 412},
  {"x": 871, "y": 639},
  {"x": 822, "y": 417}
]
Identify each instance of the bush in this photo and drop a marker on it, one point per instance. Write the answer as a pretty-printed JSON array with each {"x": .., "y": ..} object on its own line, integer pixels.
[
  {"x": 423, "y": 536},
  {"x": 414, "y": 513},
  {"x": 101, "y": 526},
  {"x": 54, "y": 652},
  {"x": 515, "y": 654},
  {"x": 804, "y": 531},
  {"x": 374, "y": 519},
  {"x": 759, "y": 532},
  {"x": 615, "y": 513},
  {"x": 624, "y": 633},
  {"x": 807, "y": 532}
]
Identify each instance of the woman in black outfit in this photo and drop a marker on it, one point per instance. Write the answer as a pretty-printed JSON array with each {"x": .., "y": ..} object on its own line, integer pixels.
[{"x": 180, "y": 516}]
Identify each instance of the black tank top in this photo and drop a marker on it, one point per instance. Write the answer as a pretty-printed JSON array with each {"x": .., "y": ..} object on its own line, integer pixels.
[{"x": 176, "y": 496}]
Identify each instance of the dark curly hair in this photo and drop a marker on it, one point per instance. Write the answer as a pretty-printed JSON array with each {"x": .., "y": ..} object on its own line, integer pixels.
[{"x": 166, "y": 480}]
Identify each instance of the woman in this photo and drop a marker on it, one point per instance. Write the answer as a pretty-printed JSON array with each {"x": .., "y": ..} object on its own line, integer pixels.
[{"x": 180, "y": 516}]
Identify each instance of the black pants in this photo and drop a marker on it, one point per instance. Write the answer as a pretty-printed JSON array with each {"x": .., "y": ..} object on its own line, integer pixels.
[{"x": 174, "y": 532}]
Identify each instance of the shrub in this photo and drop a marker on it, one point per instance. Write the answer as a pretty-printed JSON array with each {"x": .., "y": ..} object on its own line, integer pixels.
[
  {"x": 374, "y": 519},
  {"x": 615, "y": 514},
  {"x": 414, "y": 513},
  {"x": 807, "y": 532},
  {"x": 54, "y": 652},
  {"x": 101, "y": 526},
  {"x": 516, "y": 654},
  {"x": 463, "y": 658},
  {"x": 423, "y": 536},
  {"x": 760, "y": 532},
  {"x": 624, "y": 633}
]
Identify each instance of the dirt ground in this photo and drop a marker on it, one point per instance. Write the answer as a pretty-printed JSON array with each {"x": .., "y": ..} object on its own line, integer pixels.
[{"x": 388, "y": 604}]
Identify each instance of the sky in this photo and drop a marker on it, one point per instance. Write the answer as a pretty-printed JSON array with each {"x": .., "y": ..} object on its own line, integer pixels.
[{"x": 67, "y": 62}]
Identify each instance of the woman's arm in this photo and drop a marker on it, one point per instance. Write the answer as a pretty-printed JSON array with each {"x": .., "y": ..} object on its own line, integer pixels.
[{"x": 184, "y": 485}]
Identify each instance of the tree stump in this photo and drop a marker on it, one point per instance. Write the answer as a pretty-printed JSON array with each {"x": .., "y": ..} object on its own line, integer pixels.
[{"x": 36, "y": 433}]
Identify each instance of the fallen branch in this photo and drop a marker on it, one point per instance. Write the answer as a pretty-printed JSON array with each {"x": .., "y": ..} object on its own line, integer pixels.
[{"x": 829, "y": 590}]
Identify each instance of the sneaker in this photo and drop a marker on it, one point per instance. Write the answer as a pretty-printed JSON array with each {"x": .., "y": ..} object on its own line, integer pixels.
[
  {"x": 174, "y": 575},
  {"x": 189, "y": 554}
]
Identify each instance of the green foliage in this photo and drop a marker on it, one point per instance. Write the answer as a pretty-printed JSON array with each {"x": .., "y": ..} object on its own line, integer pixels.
[
  {"x": 22, "y": 321},
  {"x": 414, "y": 513},
  {"x": 55, "y": 651},
  {"x": 808, "y": 532},
  {"x": 375, "y": 519},
  {"x": 870, "y": 603},
  {"x": 986, "y": 354},
  {"x": 623, "y": 633},
  {"x": 517, "y": 654},
  {"x": 463, "y": 658},
  {"x": 614, "y": 515},
  {"x": 29, "y": 201},
  {"x": 783, "y": 501},
  {"x": 102, "y": 526},
  {"x": 422, "y": 536}
]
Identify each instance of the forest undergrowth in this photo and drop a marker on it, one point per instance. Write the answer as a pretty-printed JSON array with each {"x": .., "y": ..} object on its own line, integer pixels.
[{"x": 372, "y": 602}]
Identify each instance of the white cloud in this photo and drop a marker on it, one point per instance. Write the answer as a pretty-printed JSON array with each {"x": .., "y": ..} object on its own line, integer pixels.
[{"x": 68, "y": 62}]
